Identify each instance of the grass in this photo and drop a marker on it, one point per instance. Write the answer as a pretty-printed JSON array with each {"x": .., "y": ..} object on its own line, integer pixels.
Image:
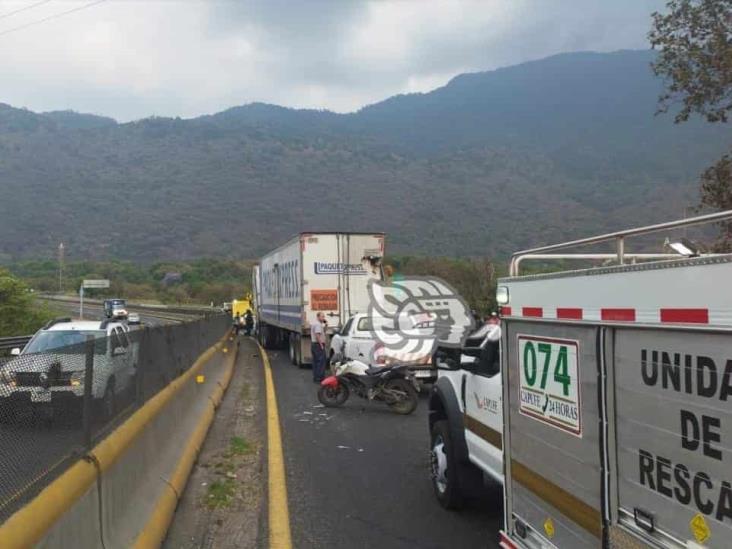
[
  {"x": 220, "y": 493},
  {"x": 239, "y": 447}
]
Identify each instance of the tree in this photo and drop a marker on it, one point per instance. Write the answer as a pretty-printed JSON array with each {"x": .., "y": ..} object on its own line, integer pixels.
[
  {"x": 716, "y": 192},
  {"x": 19, "y": 314},
  {"x": 695, "y": 59}
]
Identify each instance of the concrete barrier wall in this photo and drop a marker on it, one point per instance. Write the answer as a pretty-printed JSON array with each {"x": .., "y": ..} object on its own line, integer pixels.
[{"x": 125, "y": 490}]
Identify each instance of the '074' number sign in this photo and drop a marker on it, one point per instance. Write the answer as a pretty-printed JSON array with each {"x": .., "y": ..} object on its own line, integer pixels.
[{"x": 549, "y": 388}]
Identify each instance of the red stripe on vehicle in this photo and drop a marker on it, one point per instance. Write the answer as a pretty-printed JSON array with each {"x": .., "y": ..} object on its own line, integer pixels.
[
  {"x": 537, "y": 312},
  {"x": 693, "y": 316},
  {"x": 618, "y": 314},
  {"x": 569, "y": 313},
  {"x": 505, "y": 311},
  {"x": 505, "y": 542}
]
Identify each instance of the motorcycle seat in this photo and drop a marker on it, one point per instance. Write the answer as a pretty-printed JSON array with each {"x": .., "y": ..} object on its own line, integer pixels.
[{"x": 373, "y": 370}]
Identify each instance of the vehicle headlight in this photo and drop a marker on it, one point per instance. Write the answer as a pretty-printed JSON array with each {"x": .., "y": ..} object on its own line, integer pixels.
[
  {"x": 77, "y": 379},
  {"x": 7, "y": 377}
]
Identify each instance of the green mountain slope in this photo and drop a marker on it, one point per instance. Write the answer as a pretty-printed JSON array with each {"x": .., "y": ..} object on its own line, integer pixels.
[{"x": 490, "y": 163}]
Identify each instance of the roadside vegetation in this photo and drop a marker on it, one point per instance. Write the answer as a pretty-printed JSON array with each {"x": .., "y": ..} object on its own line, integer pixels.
[
  {"x": 204, "y": 281},
  {"x": 198, "y": 281},
  {"x": 694, "y": 40},
  {"x": 20, "y": 312}
]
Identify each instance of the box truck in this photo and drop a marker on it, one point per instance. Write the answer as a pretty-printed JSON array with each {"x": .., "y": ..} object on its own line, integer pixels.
[
  {"x": 312, "y": 273},
  {"x": 617, "y": 398}
]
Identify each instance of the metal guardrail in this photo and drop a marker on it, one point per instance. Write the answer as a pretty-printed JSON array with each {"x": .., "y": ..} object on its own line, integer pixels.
[{"x": 7, "y": 343}]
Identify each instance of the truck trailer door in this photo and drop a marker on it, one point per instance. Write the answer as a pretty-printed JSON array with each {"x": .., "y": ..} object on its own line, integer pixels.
[
  {"x": 673, "y": 410},
  {"x": 553, "y": 468}
]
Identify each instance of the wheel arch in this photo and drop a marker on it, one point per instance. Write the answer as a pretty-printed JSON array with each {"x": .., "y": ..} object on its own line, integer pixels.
[{"x": 444, "y": 404}]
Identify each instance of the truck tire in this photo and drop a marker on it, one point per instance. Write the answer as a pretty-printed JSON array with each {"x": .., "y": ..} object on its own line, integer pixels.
[
  {"x": 444, "y": 467},
  {"x": 267, "y": 337},
  {"x": 294, "y": 349}
]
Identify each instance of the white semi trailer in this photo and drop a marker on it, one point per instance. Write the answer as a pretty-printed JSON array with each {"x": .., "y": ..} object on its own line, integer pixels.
[{"x": 312, "y": 273}]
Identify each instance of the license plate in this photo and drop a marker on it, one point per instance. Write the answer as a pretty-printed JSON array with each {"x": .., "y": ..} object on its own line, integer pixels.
[{"x": 41, "y": 396}]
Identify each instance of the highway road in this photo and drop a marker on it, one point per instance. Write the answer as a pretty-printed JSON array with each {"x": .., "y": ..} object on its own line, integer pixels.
[
  {"x": 358, "y": 476},
  {"x": 94, "y": 311}
]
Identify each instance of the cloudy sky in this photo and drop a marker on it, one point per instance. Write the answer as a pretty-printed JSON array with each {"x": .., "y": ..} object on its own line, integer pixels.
[{"x": 135, "y": 58}]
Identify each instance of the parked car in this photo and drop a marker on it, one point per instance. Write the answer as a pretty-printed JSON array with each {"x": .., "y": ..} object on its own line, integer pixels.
[
  {"x": 50, "y": 371},
  {"x": 356, "y": 341}
]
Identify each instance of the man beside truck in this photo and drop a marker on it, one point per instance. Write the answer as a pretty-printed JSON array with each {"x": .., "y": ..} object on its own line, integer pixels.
[{"x": 317, "y": 346}]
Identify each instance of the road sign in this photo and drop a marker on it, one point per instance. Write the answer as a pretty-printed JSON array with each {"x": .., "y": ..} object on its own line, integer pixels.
[{"x": 92, "y": 283}]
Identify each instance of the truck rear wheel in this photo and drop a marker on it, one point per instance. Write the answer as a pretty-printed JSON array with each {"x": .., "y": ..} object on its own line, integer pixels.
[
  {"x": 444, "y": 467},
  {"x": 294, "y": 345}
]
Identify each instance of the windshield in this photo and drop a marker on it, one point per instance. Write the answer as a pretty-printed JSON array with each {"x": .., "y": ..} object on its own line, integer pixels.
[
  {"x": 117, "y": 302},
  {"x": 66, "y": 341}
]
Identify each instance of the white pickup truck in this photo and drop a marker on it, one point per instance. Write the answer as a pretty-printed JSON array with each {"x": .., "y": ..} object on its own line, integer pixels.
[
  {"x": 466, "y": 418},
  {"x": 356, "y": 340}
]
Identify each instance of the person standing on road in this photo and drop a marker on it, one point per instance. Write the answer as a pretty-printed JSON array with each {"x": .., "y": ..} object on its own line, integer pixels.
[
  {"x": 317, "y": 347},
  {"x": 237, "y": 324},
  {"x": 248, "y": 322}
]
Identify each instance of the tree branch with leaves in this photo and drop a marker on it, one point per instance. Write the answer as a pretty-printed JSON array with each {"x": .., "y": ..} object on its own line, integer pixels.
[{"x": 694, "y": 40}]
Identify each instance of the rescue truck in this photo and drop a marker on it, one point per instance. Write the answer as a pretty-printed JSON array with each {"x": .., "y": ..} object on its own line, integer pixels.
[{"x": 617, "y": 397}]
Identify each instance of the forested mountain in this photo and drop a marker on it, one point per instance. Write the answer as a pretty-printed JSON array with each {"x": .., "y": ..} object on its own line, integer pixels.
[{"x": 487, "y": 164}]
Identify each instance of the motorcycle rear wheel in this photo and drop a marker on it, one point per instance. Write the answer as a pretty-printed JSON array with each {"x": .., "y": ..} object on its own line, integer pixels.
[
  {"x": 333, "y": 396},
  {"x": 407, "y": 403}
]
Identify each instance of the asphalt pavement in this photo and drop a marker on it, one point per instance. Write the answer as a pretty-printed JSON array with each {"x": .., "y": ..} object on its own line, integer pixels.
[
  {"x": 96, "y": 312},
  {"x": 358, "y": 476}
]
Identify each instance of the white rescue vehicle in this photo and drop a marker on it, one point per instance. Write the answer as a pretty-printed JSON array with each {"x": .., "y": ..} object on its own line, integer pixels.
[{"x": 617, "y": 398}]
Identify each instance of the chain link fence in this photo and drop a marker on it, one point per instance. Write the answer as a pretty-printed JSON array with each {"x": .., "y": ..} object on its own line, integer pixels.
[{"x": 74, "y": 383}]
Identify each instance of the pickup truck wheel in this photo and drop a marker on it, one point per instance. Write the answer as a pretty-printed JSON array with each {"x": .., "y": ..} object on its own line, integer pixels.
[{"x": 445, "y": 475}]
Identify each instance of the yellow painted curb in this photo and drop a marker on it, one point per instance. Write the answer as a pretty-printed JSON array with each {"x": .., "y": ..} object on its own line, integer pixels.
[
  {"x": 30, "y": 523},
  {"x": 279, "y": 513},
  {"x": 154, "y": 532}
]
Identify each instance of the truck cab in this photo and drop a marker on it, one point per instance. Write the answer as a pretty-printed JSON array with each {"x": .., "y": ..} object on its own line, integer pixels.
[{"x": 466, "y": 418}]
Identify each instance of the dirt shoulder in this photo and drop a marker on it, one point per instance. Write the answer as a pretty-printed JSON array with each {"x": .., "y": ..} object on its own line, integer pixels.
[{"x": 224, "y": 499}]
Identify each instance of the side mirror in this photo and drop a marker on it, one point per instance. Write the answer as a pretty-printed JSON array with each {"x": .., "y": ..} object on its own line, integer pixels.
[{"x": 15, "y": 351}]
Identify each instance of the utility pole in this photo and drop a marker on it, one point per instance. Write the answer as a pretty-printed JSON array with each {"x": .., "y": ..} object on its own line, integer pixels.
[{"x": 61, "y": 268}]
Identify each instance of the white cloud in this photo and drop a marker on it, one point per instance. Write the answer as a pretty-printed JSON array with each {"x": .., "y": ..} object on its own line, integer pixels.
[{"x": 131, "y": 59}]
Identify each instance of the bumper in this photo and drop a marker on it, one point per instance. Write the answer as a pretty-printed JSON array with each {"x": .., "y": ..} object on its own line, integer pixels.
[{"x": 36, "y": 396}]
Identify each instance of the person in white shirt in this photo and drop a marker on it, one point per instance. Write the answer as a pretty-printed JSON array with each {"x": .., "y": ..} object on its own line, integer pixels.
[{"x": 317, "y": 347}]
